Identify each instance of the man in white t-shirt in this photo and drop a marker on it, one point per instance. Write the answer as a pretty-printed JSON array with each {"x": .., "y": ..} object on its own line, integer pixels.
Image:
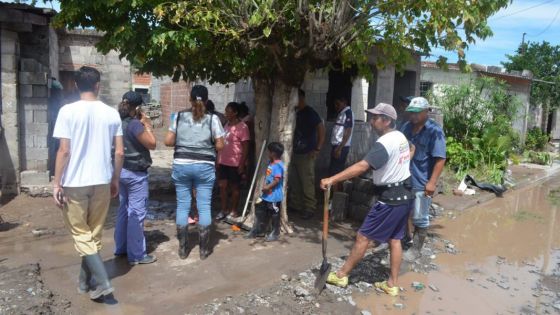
[
  {"x": 341, "y": 137},
  {"x": 86, "y": 177},
  {"x": 387, "y": 220}
]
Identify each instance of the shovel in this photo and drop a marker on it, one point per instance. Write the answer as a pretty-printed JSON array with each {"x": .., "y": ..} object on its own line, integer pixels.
[{"x": 325, "y": 266}]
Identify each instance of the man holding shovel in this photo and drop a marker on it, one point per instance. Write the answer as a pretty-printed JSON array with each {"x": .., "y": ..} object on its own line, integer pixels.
[{"x": 389, "y": 158}]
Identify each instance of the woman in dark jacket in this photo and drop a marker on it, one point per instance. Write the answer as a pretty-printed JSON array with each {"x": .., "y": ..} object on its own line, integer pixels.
[{"x": 133, "y": 186}]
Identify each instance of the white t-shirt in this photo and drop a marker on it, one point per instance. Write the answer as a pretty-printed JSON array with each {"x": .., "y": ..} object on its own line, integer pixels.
[
  {"x": 91, "y": 127},
  {"x": 390, "y": 159},
  {"x": 217, "y": 132},
  {"x": 344, "y": 120}
]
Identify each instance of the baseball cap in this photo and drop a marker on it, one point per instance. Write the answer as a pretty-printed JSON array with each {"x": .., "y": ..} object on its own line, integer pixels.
[
  {"x": 383, "y": 109},
  {"x": 133, "y": 98},
  {"x": 406, "y": 99},
  {"x": 418, "y": 104}
]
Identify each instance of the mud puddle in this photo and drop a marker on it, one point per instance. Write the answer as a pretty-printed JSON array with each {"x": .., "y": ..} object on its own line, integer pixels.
[{"x": 505, "y": 260}]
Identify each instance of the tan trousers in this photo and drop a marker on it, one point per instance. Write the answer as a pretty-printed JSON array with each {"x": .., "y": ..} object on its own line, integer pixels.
[{"x": 84, "y": 215}]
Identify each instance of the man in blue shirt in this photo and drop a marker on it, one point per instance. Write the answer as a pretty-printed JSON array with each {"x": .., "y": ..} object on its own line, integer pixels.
[{"x": 427, "y": 164}]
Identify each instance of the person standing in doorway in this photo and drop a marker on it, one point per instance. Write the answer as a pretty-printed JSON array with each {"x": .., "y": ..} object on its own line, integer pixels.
[
  {"x": 85, "y": 175},
  {"x": 309, "y": 136},
  {"x": 134, "y": 189},
  {"x": 341, "y": 137},
  {"x": 427, "y": 164},
  {"x": 386, "y": 221},
  {"x": 196, "y": 136}
]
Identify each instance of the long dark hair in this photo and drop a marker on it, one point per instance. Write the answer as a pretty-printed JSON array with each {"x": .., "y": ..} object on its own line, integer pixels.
[{"x": 199, "y": 97}]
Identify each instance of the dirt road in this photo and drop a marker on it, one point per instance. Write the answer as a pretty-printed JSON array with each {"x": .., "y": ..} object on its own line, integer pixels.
[{"x": 501, "y": 257}]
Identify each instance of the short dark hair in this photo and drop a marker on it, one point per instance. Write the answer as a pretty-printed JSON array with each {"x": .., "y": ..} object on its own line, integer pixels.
[
  {"x": 86, "y": 78},
  {"x": 234, "y": 107},
  {"x": 342, "y": 99},
  {"x": 276, "y": 148},
  {"x": 243, "y": 109},
  {"x": 301, "y": 93},
  {"x": 210, "y": 107}
]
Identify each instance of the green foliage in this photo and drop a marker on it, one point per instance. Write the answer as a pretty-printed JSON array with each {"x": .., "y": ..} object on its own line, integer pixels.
[
  {"x": 536, "y": 139},
  {"x": 542, "y": 158},
  {"x": 477, "y": 122},
  {"x": 543, "y": 60},
  {"x": 226, "y": 40}
]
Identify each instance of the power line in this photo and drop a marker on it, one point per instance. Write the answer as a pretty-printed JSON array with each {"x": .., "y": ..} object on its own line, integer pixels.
[
  {"x": 522, "y": 11},
  {"x": 549, "y": 25}
]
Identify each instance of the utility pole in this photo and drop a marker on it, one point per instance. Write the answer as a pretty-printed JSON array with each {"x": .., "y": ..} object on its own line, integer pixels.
[{"x": 523, "y": 44}]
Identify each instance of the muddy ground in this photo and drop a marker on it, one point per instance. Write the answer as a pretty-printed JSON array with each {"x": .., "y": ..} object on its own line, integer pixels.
[{"x": 501, "y": 257}]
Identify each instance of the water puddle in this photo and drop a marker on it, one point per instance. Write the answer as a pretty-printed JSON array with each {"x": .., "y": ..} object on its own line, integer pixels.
[{"x": 508, "y": 261}]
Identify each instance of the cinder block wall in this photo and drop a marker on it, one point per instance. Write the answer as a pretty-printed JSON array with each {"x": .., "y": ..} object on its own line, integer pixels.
[{"x": 9, "y": 135}]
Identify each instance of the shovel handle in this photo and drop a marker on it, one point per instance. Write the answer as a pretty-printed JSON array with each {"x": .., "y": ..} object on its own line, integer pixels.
[{"x": 326, "y": 213}]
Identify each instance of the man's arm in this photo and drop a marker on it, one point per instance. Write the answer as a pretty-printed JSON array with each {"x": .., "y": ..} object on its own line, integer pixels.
[
  {"x": 351, "y": 172},
  {"x": 320, "y": 135},
  {"x": 117, "y": 167},
  {"x": 62, "y": 159},
  {"x": 431, "y": 185}
]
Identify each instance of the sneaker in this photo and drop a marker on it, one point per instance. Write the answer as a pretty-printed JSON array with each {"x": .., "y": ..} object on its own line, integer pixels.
[
  {"x": 221, "y": 216},
  {"x": 335, "y": 280},
  {"x": 381, "y": 247},
  {"x": 406, "y": 242},
  {"x": 392, "y": 291},
  {"x": 146, "y": 260}
]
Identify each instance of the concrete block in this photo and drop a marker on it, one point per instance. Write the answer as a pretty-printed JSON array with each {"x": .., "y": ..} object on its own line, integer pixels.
[
  {"x": 339, "y": 208},
  {"x": 363, "y": 185},
  {"x": 358, "y": 212},
  {"x": 9, "y": 46},
  {"x": 9, "y": 63},
  {"x": 37, "y": 129},
  {"x": 37, "y": 153},
  {"x": 40, "y": 141},
  {"x": 25, "y": 90},
  {"x": 40, "y": 116},
  {"x": 361, "y": 198},
  {"x": 33, "y": 78},
  {"x": 42, "y": 165},
  {"x": 34, "y": 177},
  {"x": 29, "y": 141},
  {"x": 28, "y": 116},
  {"x": 35, "y": 103},
  {"x": 40, "y": 91},
  {"x": 8, "y": 77},
  {"x": 347, "y": 187},
  {"x": 29, "y": 65},
  {"x": 35, "y": 19}
]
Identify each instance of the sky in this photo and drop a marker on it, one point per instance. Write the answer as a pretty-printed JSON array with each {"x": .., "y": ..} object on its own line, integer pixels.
[{"x": 539, "y": 19}]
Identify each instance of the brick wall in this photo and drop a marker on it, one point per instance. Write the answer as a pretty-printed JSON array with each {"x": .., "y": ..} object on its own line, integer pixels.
[{"x": 173, "y": 97}]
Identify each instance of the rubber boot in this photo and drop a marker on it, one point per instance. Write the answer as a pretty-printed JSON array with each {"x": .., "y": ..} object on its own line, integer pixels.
[
  {"x": 84, "y": 278},
  {"x": 204, "y": 241},
  {"x": 258, "y": 226},
  {"x": 97, "y": 269},
  {"x": 275, "y": 233},
  {"x": 183, "y": 238},
  {"x": 415, "y": 251}
]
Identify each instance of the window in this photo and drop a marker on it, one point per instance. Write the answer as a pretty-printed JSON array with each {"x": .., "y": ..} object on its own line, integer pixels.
[{"x": 425, "y": 87}]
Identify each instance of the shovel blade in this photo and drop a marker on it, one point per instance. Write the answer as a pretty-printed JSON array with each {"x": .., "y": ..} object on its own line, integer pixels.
[{"x": 321, "y": 279}]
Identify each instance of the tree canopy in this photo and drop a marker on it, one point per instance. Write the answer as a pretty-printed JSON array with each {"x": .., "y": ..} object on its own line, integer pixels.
[
  {"x": 543, "y": 59},
  {"x": 225, "y": 40}
]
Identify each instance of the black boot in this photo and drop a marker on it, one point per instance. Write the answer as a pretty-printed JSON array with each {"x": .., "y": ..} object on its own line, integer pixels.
[
  {"x": 204, "y": 244},
  {"x": 183, "y": 237},
  {"x": 275, "y": 233},
  {"x": 415, "y": 251},
  {"x": 258, "y": 228},
  {"x": 95, "y": 265},
  {"x": 84, "y": 278}
]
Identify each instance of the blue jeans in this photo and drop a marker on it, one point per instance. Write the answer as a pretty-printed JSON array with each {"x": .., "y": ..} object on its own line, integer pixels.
[
  {"x": 201, "y": 177},
  {"x": 133, "y": 205},
  {"x": 421, "y": 210}
]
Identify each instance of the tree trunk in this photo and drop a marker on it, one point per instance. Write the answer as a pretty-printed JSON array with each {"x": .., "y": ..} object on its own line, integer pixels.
[
  {"x": 544, "y": 118},
  {"x": 274, "y": 121}
]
